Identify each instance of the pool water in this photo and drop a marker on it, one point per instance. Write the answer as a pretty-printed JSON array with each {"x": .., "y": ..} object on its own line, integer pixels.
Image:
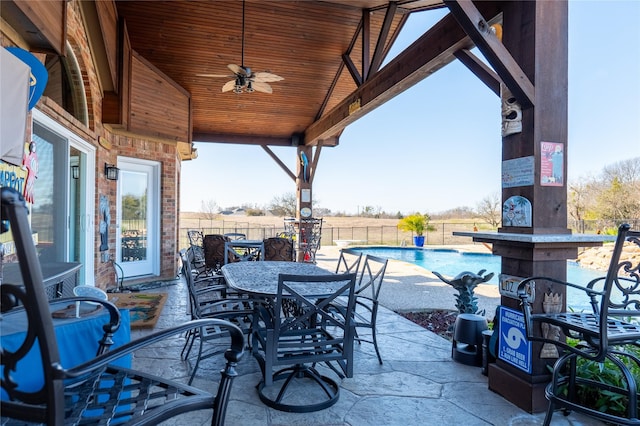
[{"x": 450, "y": 262}]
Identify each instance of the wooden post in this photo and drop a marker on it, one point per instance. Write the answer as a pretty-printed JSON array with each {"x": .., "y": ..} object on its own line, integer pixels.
[
  {"x": 535, "y": 33},
  {"x": 303, "y": 196}
]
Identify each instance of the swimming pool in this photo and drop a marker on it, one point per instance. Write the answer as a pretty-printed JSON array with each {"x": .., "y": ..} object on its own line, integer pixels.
[{"x": 450, "y": 262}]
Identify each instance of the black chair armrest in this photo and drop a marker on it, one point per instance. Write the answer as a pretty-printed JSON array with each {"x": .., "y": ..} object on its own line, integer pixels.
[
  {"x": 109, "y": 328},
  {"x": 233, "y": 354}
]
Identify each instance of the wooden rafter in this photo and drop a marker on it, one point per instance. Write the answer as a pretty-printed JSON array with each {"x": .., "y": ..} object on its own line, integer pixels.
[
  {"x": 279, "y": 162},
  {"x": 379, "y": 53},
  {"x": 366, "y": 34},
  {"x": 480, "y": 69},
  {"x": 430, "y": 52},
  {"x": 498, "y": 56}
]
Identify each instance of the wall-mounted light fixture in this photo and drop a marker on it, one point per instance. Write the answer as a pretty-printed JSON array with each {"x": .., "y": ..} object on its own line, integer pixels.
[
  {"x": 75, "y": 172},
  {"x": 111, "y": 171}
]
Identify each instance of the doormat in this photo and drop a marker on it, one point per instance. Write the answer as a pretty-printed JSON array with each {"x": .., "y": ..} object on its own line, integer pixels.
[{"x": 144, "y": 308}]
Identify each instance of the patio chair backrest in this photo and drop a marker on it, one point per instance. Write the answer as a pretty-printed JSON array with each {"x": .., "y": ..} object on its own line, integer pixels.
[
  {"x": 278, "y": 249},
  {"x": 371, "y": 277},
  {"x": 311, "y": 311},
  {"x": 214, "y": 250},
  {"x": 349, "y": 261},
  {"x": 621, "y": 286}
]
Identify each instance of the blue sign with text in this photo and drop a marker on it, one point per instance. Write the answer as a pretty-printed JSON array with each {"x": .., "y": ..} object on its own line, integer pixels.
[{"x": 513, "y": 346}]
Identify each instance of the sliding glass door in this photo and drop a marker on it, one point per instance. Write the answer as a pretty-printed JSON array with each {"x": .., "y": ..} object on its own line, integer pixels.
[{"x": 63, "y": 196}]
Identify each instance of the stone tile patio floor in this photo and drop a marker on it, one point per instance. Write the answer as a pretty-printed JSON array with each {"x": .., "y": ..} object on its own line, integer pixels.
[{"x": 418, "y": 384}]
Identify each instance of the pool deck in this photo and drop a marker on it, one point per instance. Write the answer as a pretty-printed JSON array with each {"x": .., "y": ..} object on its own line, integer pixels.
[{"x": 410, "y": 288}]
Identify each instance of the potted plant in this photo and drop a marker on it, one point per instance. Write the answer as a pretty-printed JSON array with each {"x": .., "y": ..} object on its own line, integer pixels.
[{"x": 416, "y": 223}]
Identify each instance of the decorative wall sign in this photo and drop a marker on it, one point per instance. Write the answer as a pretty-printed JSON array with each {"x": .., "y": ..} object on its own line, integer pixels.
[
  {"x": 513, "y": 346},
  {"x": 551, "y": 164},
  {"x": 516, "y": 211},
  {"x": 518, "y": 172},
  {"x": 508, "y": 287},
  {"x": 305, "y": 212}
]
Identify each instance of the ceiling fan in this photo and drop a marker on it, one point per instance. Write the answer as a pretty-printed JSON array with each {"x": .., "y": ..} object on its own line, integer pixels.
[{"x": 243, "y": 78}]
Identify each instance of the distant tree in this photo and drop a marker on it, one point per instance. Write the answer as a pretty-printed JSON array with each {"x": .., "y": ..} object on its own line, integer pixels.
[
  {"x": 209, "y": 208},
  {"x": 463, "y": 212},
  {"x": 619, "y": 201},
  {"x": 251, "y": 211},
  {"x": 321, "y": 211},
  {"x": 612, "y": 195},
  {"x": 284, "y": 205},
  {"x": 490, "y": 210},
  {"x": 620, "y": 195}
]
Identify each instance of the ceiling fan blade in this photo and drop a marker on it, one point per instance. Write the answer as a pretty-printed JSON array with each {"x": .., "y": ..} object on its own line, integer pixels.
[
  {"x": 229, "y": 85},
  {"x": 215, "y": 75},
  {"x": 259, "y": 86},
  {"x": 237, "y": 69},
  {"x": 266, "y": 77}
]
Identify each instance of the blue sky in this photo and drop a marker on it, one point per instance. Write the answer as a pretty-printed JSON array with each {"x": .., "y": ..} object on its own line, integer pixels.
[{"x": 437, "y": 146}]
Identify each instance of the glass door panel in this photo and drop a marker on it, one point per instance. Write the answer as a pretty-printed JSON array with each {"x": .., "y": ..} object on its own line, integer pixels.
[{"x": 137, "y": 210}]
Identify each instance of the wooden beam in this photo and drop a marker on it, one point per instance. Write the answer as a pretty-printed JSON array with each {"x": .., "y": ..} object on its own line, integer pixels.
[
  {"x": 314, "y": 161},
  {"x": 240, "y": 139},
  {"x": 432, "y": 51},
  {"x": 336, "y": 77},
  {"x": 480, "y": 69},
  {"x": 366, "y": 33},
  {"x": 379, "y": 53},
  {"x": 498, "y": 56},
  {"x": 346, "y": 59},
  {"x": 279, "y": 162}
]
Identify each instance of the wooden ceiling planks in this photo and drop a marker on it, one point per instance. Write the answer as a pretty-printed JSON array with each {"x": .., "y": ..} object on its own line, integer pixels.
[{"x": 302, "y": 41}]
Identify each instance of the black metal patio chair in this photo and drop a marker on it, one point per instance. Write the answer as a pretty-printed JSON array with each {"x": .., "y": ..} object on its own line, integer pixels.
[
  {"x": 298, "y": 332},
  {"x": 196, "y": 247},
  {"x": 365, "y": 312},
  {"x": 210, "y": 302},
  {"x": 96, "y": 391},
  {"x": 602, "y": 336}
]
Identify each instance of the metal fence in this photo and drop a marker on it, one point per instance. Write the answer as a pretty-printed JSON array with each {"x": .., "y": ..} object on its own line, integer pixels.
[{"x": 374, "y": 235}]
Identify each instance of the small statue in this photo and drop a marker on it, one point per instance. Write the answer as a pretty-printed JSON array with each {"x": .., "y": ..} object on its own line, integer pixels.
[
  {"x": 551, "y": 304},
  {"x": 465, "y": 282}
]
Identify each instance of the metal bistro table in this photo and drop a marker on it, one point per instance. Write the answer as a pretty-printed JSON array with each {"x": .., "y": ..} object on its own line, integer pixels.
[{"x": 261, "y": 278}]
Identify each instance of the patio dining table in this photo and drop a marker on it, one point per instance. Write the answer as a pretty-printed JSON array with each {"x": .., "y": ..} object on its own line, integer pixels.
[{"x": 261, "y": 278}]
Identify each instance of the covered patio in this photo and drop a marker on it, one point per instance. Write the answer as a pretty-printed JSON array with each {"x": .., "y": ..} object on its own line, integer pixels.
[{"x": 418, "y": 383}]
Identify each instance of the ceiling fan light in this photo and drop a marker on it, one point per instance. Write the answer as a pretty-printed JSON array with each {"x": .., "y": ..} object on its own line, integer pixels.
[{"x": 250, "y": 88}]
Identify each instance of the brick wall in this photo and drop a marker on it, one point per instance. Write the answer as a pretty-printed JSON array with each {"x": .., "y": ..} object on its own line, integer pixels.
[{"x": 165, "y": 152}]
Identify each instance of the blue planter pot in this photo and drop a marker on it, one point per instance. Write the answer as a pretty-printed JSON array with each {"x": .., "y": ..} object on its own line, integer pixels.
[{"x": 418, "y": 240}]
